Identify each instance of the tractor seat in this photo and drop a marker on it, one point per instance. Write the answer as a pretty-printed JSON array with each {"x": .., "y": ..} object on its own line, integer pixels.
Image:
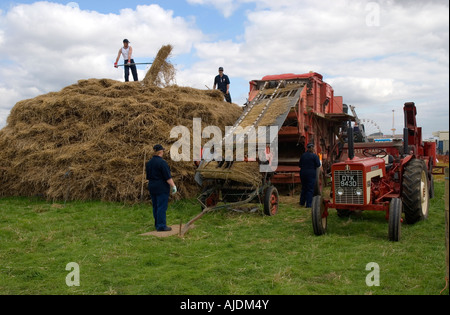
[{"x": 389, "y": 160}]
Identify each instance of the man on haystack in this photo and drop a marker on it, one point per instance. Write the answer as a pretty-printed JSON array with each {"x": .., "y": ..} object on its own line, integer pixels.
[
  {"x": 223, "y": 83},
  {"x": 160, "y": 184},
  {"x": 127, "y": 52}
]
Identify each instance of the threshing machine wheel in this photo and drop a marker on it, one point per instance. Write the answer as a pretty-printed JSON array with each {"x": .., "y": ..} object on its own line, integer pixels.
[
  {"x": 271, "y": 201},
  {"x": 395, "y": 219},
  {"x": 209, "y": 198},
  {"x": 415, "y": 194},
  {"x": 319, "y": 218}
]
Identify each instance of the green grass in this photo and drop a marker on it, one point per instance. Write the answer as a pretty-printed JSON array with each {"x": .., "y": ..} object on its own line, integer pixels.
[{"x": 227, "y": 253}]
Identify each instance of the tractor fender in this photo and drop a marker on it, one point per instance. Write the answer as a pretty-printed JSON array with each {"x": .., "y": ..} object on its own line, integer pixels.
[{"x": 406, "y": 160}]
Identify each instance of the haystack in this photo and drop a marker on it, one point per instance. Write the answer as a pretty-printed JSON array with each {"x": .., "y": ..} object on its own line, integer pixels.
[{"x": 90, "y": 140}]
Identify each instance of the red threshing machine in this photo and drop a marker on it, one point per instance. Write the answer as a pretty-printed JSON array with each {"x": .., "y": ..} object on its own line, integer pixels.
[
  {"x": 318, "y": 116},
  {"x": 392, "y": 177},
  {"x": 304, "y": 110}
]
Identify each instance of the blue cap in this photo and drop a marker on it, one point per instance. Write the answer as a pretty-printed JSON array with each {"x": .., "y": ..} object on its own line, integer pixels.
[{"x": 158, "y": 147}]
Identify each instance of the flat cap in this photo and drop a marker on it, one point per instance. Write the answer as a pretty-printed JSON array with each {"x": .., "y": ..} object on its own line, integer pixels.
[{"x": 158, "y": 147}]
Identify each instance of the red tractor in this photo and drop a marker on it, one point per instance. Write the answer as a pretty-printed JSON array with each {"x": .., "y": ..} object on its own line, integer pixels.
[{"x": 392, "y": 177}]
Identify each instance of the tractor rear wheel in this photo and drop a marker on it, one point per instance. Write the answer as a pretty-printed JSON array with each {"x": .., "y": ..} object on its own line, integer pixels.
[
  {"x": 319, "y": 219},
  {"x": 271, "y": 201},
  {"x": 395, "y": 219},
  {"x": 415, "y": 194}
]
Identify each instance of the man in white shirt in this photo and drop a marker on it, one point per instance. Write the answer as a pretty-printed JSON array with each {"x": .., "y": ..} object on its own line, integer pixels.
[{"x": 127, "y": 52}]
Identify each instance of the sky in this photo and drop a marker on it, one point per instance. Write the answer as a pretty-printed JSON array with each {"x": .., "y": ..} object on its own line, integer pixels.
[{"x": 376, "y": 54}]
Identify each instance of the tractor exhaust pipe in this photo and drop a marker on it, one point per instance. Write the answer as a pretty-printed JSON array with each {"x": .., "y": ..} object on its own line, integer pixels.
[
  {"x": 405, "y": 142},
  {"x": 350, "y": 141}
]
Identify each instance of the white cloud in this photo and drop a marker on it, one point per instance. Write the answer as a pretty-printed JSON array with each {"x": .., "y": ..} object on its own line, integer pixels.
[
  {"x": 405, "y": 57},
  {"x": 8, "y": 96},
  {"x": 226, "y": 7},
  {"x": 376, "y": 67},
  {"x": 73, "y": 5}
]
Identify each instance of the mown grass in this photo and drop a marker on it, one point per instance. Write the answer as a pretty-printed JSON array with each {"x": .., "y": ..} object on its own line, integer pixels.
[{"x": 227, "y": 253}]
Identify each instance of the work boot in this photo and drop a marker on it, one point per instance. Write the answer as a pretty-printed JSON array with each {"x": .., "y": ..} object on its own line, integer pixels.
[{"x": 166, "y": 229}]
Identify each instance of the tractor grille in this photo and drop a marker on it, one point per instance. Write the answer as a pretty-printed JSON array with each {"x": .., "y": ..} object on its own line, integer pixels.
[{"x": 349, "y": 182}]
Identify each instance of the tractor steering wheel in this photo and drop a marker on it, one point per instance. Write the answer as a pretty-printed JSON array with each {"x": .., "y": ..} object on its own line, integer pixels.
[{"x": 381, "y": 153}]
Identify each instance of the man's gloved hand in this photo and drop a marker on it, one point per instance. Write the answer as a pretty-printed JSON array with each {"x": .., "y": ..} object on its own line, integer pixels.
[
  {"x": 174, "y": 190},
  {"x": 115, "y": 65}
]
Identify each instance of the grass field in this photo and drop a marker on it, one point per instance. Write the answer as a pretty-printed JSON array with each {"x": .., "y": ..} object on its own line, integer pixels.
[{"x": 227, "y": 253}]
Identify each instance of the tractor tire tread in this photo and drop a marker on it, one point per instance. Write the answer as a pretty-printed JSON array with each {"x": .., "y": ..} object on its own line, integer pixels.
[{"x": 411, "y": 191}]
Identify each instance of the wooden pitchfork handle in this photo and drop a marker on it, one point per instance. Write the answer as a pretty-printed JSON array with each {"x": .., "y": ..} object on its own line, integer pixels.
[{"x": 136, "y": 63}]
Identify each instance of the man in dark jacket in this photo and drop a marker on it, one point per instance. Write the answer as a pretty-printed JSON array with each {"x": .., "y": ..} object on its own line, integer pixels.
[
  {"x": 160, "y": 184},
  {"x": 223, "y": 83},
  {"x": 309, "y": 162}
]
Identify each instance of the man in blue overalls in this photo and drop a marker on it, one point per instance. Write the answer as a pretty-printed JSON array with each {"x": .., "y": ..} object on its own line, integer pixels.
[
  {"x": 223, "y": 83},
  {"x": 160, "y": 183},
  {"x": 309, "y": 162}
]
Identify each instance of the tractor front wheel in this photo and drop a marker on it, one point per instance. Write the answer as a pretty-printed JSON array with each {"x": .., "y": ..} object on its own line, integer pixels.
[
  {"x": 320, "y": 182},
  {"x": 395, "y": 219},
  {"x": 319, "y": 217}
]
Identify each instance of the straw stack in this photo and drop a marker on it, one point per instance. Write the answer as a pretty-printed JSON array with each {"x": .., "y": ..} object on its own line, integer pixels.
[{"x": 89, "y": 140}]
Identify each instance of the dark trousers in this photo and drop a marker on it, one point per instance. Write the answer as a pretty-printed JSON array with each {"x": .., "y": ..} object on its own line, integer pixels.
[
  {"x": 308, "y": 178},
  {"x": 227, "y": 96},
  {"x": 133, "y": 71},
  {"x": 160, "y": 203}
]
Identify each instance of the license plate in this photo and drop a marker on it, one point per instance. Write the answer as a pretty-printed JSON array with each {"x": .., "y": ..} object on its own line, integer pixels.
[{"x": 348, "y": 181}]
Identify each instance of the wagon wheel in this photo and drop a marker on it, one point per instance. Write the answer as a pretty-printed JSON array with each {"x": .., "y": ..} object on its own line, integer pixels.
[
  {"x": 209, "y": 198},
  {"x": 271, "y": 201}
]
